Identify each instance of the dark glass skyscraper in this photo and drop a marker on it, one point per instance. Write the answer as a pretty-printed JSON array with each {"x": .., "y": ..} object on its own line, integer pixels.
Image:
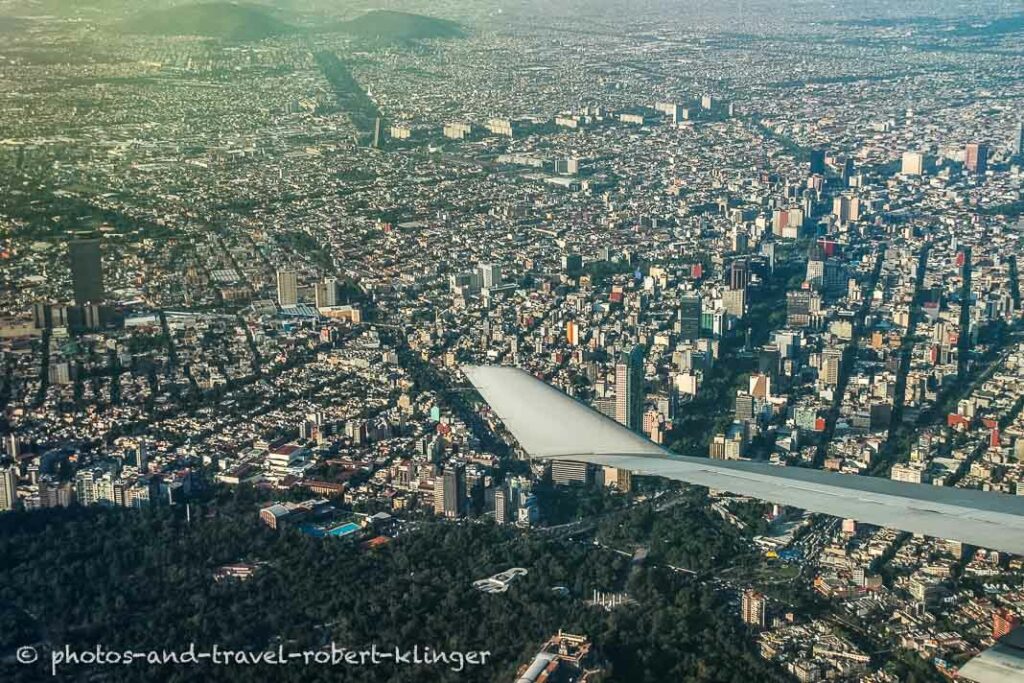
[
  {"x": 86, "y": 270},
  {"x": 689, "y": 317}
]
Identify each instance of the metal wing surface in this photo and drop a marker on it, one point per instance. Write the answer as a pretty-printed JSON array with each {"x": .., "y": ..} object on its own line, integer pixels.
[{"x": 549, "y": 424}]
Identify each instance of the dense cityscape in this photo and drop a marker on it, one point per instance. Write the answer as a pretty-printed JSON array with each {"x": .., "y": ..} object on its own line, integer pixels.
[{"x": 246, "y": 251}]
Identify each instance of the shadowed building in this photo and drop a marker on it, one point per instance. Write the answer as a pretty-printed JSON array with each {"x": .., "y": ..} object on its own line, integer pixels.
[{"x": 86, "y": 270}]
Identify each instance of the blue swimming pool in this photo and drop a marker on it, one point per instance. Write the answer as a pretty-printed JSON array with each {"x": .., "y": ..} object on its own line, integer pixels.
[{"x": 344, "y": 529}]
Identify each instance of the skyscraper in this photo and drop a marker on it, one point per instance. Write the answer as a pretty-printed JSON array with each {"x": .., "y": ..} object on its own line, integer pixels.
[
  {"x": 831, "y": 366},
  {"x": 629, "y": 388},
  {"x": 501, "y": 507},
  {"x": 913, "y": 163},
  {"x": 287, "y": 287},
  {"x": 86, "y": 270},
  {"x": 572, "y": 333},
  {"x": 326, "y": 293},
  {"x": 490, "y": 275},
  {"x": 817, "y": 162},
  {"x": 964, "y": 333},
  {"x": 689, "y": 317},
  {"x": 450, "y": 491},
  {"x": 1018, "y": 139},
  {"x": 739, "y": 274},
  {"x": 8, "y": 487},
  {"x": 754, "y": 609},
  {"x": 976, "y": 158}
]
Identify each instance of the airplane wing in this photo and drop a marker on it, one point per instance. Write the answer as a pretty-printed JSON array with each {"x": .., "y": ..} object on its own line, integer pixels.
[
  {"x": 1001, "y": 663},
  {"x": 550, "y": 424}
]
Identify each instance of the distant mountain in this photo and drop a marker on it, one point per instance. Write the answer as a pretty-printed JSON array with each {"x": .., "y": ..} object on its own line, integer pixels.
[
  {"x": 389, "y": 25},
  {"x": 225, "y": 20}
]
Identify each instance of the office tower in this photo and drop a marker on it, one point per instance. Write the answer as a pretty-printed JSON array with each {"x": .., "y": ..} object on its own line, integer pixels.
[
  {"x": 137, "y": 455},
  {"x": 457, "y": 130},
  {"x": 13, "y": 446},
  {"x": 740, "y": 240},
  {"x": 569, "y": 472},
  {"x": 450, "y": 491},
  {"x": 55, "y": 494},
  {"x": 817, "y": 162},
  {"x": 798, "y": 308},
  {"x": 326, "y": 293},
  {"x": 86, "y": 270},
  {"x": 976, "y": 158},
  {"x": 287, "y": 287},
  {"x": 1018, "y": 139},
  {"x": 8, "y": 487},
  {"x": 913, "y": 163},
  {"x": 618, "y": 478},
  {"x": 769, "y": 359},
  {"x": 689, "y": 317},
  {"x": 501, "y": 507},
  {"x": 572, "y": 333},
  {"x": 572, "y": 263},
  {"x": 964, "y": 336},
  {"x": 831, "y": 366},
  {"x": 629, "y": 388},
  {"x": 1014, "y": 276},
  {"x": 744, "y": 406},
  {"x": 490, "y": 275},
  {"x": 734, "y": 301},
  {"x": 739, "y": 274},
  {"x": 754, "y": 609},
  {"x": 846, "y": 208},
  {"x": 567, "y": 166},
  {"x": 378, "y": 126},
  {"x": 848, "y": 171}
]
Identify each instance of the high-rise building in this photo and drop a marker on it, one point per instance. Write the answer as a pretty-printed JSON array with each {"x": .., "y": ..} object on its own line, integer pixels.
[
  {"x": 976, "y": 158},
  {"x": 798, "y": 308},
  {"x": 450, "y": 491},
  {"x": 86, "y": 270},
  {"x": 8, "y": 487},
  {"x": 913, "y": 163},
  {"x": 964, "y": 335},
  {"x": 569, "y": 472},
  {"x": 618, "y": 478},
  {"x": 739, "y": 274},
  {"x": 689, "y": 317},
  {"x": 744, "y": 406},
  {"x": 287, "y": 287},
  {"x": 501, "y": 507},
  {"x": 55, "y": 494},
  {"x": 572, "y": 263},
  {"x": 326, "y": 293},
  {"x": 735, "y": 302},
  {"x": 12, "y": 444},
  {"x": 846, "y": 208},
  {"x": 490, "y": 275},
  {"x": 572, "y": 333},
  {"x": 754, "y": 609},
  {"x": 1018, "y": 139},
  {"x": 817, "y": 162},
  {"x": 629, "y": 388},
  {"x": 831, "y": 366},
  {"x": 378, "y": 125}
]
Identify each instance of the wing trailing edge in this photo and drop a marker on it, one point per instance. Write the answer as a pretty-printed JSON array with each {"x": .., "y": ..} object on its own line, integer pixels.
[{"x": 549, "y": 424}]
